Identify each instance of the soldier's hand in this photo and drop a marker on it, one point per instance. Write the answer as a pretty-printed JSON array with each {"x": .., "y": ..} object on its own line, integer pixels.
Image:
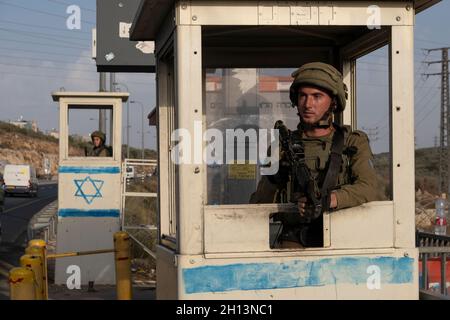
[
  {"x": 333, "y": 201},
  {"x": 302, "y": 206}
]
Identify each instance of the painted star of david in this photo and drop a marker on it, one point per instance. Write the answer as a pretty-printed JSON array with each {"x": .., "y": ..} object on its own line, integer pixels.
[{"x": 89, "y": 189}]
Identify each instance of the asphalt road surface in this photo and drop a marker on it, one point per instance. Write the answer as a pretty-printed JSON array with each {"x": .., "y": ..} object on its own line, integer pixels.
[{"x": 18, "y": 212}]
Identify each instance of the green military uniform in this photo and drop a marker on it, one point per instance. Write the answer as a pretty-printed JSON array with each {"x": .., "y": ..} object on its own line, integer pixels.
[
  {"x": 101, "y": 151},
  {"x": 340, "y": 162},
  {"x": 357, "y": 181}
]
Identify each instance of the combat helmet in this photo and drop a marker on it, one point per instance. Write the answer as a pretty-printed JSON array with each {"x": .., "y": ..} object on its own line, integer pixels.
[
  {"x": 323, "y": 76},
  {"x": 99, "y": 134}
]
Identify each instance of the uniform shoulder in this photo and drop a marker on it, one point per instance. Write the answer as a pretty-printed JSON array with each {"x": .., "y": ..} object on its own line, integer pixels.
[{"x": 356, "y": 138}]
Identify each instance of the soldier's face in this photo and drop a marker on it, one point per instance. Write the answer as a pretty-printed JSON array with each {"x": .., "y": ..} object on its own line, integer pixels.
[
  {"x": 312, "y": 104},
  {"x": 97, "y": 142}
]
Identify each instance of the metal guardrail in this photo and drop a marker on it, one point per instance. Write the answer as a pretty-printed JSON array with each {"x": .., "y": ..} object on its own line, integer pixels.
[
  {"x": 44, "y": 223},
  {"x": 432, "y": 246},
  {"x": 125, "y": 194}
]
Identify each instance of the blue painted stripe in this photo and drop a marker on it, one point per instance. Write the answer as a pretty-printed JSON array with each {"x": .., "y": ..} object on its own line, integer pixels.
[
  {"x": 296, "y": 274},
  {"x": 90, "y": 170},
  {"x": 100, "y": 213}
]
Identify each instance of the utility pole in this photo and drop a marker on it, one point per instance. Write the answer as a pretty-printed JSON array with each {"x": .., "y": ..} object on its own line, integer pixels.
[
  {"x": 112, "y": 88},
  {"x": 128, "y": 117},
  {"x": 102, "y": 113},
  {"x": 142, "y": 127},
  {"x": 444, "y": 148}
]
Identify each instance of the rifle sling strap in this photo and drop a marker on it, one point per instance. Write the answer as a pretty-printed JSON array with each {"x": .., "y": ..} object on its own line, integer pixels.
[{"x": 334, "y": 166}]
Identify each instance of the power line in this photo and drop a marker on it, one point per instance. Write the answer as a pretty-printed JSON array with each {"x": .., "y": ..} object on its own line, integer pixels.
[
  {"x": 424, "y": 97},
  {"x": 45, "y": 44},
  {"x": 47, "y": 60},
  {"x": 63, "y": 77},
  {"x": 426, "y": 116},
  {"x": 42, "y": 36},
  {"x": 42, "y": 12},
  {"x": 44, "y": 27},
  {"x": 45, "y": 34},
  {"x": 444, "y": 150},
  {"x": 48, "y": 53},
  {"x": 46, "y": 67}
]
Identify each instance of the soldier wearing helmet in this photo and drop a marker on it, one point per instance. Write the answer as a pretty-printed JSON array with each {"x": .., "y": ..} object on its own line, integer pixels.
[
  {"x": 99, "y": 148},
  {"x": 336, "y": 171}
]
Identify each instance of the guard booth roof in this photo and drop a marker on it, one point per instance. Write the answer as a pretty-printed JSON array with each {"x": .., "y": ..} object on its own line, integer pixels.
[{"x": 151, "y": 14}]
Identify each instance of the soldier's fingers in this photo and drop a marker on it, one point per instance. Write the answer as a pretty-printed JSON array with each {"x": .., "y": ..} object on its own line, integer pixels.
[
  {"x": 301, "y": 209},
  {"x": 301, "y": 205}
]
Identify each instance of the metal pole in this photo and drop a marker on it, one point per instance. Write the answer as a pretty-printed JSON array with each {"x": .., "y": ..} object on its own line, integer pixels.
[
  {"x": 35, "y": 264},
  {"x": 142, "y": 127},
  {"x": 142, "y": 132},
  {"x": 38, "y": 246},
  {"x": 425, "y": 271},
  {"x": 443, "y": 274},
  {"x": 123, "y": 265},
  {"x": 112, "y": 88},
  {"x": 128, "y": 119},
  {"x": 21, "y": 284},
  {"x": 128, "y": 129},
  {"x": 102, "y": 113},
  {"x": 446, "y": 105}
]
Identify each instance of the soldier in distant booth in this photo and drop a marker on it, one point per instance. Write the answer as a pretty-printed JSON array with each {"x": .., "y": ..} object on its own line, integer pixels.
[{"x": 99, "y": 148}]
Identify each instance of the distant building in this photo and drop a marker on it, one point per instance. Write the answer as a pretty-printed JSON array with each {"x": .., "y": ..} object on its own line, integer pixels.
[
  {"x": 25, "y": 124},
  {"x": 54, "y": 133}
]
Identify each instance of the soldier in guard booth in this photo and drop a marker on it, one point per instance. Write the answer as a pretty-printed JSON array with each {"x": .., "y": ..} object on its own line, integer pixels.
[{"x": 99, "y": 149}]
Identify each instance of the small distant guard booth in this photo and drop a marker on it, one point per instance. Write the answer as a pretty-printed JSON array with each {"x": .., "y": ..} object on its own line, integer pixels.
[
  {"x": 89, "y": 188},
  {"x": 225, "y": 65}
]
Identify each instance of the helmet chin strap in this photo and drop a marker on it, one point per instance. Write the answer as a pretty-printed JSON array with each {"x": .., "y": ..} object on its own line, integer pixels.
[{"x": 324, "y": 123}]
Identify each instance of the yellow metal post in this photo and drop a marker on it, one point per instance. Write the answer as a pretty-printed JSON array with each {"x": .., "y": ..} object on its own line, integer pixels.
[
  {"x": 36, "y": 265},
  {"x": 123, "y": 265},
  {"x": 21, "y": 284},
  {"x": 43, "y": 247}
]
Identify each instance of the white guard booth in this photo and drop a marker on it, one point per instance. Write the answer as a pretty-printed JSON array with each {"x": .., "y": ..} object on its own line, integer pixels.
[
  {"x": 226, "y": 65},
  {"x": 89, "y": 188}
]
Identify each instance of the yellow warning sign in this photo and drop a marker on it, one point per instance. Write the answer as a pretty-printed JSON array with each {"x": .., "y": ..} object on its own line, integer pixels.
[{"x": 242, "y": 171}]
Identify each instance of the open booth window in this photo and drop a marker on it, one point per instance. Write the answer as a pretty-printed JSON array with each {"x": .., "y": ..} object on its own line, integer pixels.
[
  {"x": 83, "y": 122},
  {"x": 247, "y": 76}
]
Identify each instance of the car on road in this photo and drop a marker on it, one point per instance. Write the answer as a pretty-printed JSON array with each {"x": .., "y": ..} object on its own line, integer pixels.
[
  {"x": 20, "y": 179},
  {"x": 130, "y": 172}
]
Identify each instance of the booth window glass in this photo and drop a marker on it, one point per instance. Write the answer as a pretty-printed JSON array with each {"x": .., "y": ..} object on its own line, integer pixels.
[
  {"x": 245, "y": 101},
  {"x": 84, "y": 125}
]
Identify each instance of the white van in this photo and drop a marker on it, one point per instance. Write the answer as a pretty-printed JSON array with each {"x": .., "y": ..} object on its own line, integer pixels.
[{"x": 20, "y": 179}]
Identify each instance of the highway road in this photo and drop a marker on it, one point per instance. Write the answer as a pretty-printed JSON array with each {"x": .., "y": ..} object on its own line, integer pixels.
[{"x": 18, "y": 212}]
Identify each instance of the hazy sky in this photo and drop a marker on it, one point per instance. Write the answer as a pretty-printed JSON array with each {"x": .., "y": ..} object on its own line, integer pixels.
[{"x": 38, "y": 55}]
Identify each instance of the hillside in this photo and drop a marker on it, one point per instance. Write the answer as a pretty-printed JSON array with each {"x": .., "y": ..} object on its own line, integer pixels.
[
  {"x": 427, "y": 169},
  {"x": 22, "y": 146}
]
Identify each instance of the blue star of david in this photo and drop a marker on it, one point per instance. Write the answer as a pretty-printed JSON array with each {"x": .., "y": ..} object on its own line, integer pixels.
[{"x": 89, "y": 198}]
